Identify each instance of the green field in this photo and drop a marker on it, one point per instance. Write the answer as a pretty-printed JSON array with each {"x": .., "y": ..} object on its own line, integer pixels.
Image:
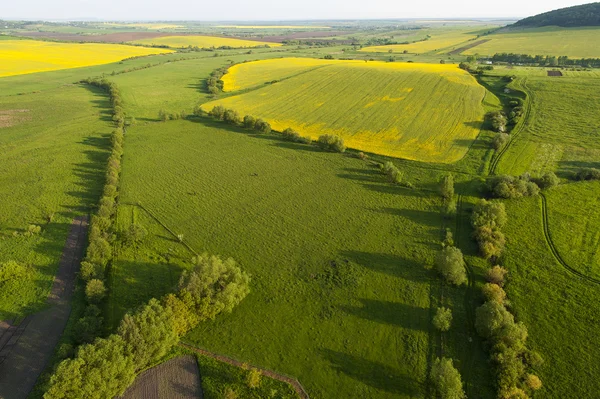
[
  {"x": 52, "y": 169},
  {"x": 572, "y": 42},
  {"x": 203, "y": 42},
  {"x": 395, "y": 115}
]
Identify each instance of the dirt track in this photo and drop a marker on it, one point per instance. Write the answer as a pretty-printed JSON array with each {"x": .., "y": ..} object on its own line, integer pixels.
[{"x": 26, "y": 347}]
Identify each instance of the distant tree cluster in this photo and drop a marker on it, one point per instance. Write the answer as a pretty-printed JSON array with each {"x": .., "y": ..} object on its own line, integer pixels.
[
  {"x": 546, "y": 60},
  {"x": 582, "y": 15},
  {"x": 214, "y": 84},
  {"x": 106, "y": 367}
]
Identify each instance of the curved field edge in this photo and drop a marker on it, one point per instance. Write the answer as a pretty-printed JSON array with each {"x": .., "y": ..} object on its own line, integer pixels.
[{"x": 429, "y": 113}]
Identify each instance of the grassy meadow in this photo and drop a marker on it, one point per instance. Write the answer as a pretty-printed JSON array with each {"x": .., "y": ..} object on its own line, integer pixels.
[
  {"x": 438, "y": 40},
  {"x": 51, "y": 169},
  {"x": 19, "y": 57},
  {"x": 572, "y": 42},
  {"x": 399, "y": 112},
  {"x": 203, "y": 42},
  {"x": 339, "y": 282}
]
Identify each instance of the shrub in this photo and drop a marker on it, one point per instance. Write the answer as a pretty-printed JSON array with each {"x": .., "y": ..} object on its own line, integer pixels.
[
  {"x": 149, "y": 333},
  {"x": 98, "y": 371},
  {"x": 262, "y": 126},
  {"x": 362, "y": 156},
  {"x": 232, "y": 117},
  {"x": 392, "y": 172},
  {"x": 442, "y": 319},
  {"x": 33, "y": 229},
  {"x": 446, "y": 379},
  {"x": 214, "y": 285},
  {"x": 449, "y": 208},
  {"x": 450, "y": 264},
  {"x": 448, "y": 239},
  {"x": 513, "y": 187},
  {"x": 135, "y": 233},
  {"x": 588, "y": 174},
  {"x": 88, "y": 271},
  {"x": 229, "y": 393},
  {"x": 218, "y": 112},
  {"x": 498, "y": 121},
  {"x": 491, "y": 242},
  {"x": 95, "y": 290},
  {"x": 496, "y": 275},
  {"x": 447, "y": 187},
  {"x": 490, "y": 318},
  {"x": 89, "y": 326},
  {"x": 489, "y": 214},
  {"x": 99, "y": 251},
  {"x": 253, "y": 378},
  {"x": 500, "y": 140},
  {"x": 493, "y": 292},
  {"x": 533, "y": 382},
  {"x": 249, "y": 122},
  {"x": 548, "y": 180},
  {"x": 331, "y": 142},
  {"x": 184, "y": 319}
]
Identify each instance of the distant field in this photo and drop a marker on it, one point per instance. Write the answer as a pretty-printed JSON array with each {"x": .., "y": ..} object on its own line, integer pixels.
[
  {"x": 425, "y": 112},
  {"x": 572, "y": 42},
  {"x": 561, "y": 133},
  {"x": 273, "y": 27},
  {"x": 28, "y": 56},
  {"x": 51, "y": 169},
  {"x": 574, "y": 221},
  {"x": 153, "y": 26},
  {"x": 438, "y": 41},
  {"x": 202, "y": 42}
]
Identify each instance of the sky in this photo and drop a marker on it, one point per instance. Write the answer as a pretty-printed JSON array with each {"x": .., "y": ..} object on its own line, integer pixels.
[{"x": 274, "y": 10}]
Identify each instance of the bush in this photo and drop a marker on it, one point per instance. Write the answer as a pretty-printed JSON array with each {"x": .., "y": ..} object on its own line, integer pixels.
[
  {"x": 496, "y": 275},
  {"x": 490, "y": 318},
  {"x": 292, "y": 135},
  {"x": 448, "y": 239},
  {"x": 184, "y": 319},
  {"x": 446, "y": 379},
  {"x": 392, "y": 172},
  {"x": 214, "y": 285},
  {"x": 331, "y": 142},
  {"x": 149, "y": 333},
  {"x": 99, "y": 251},
  {"x": 500, "y": 140},
  {"x": 33, "y": 229},
  {"x": 533, "y": 382},
  {"x": 262, "y": 126},
  {"x": 95, "y": 291},
  {"x": 249, "y": 122},
  {"x": 493, "y": 292},
  {"x": 442, "y": 319},
  {"x": 449, "y": 208},
  {"x": 89, "y": 271},
  {"x": 450, "y": 263},
  {"x": 498, "y": 121},
  {"x": 135, "y": 233},
  {"x": 447, "y": 187},
  {"x": 548, "y": 180},
  {"x": 513, "y": 187},
  {"x": 487, "y": 219},
  {"x": 491, "y": 242},
  {"x": 588, "y": 174},
  {"x": 218, "y": 112},
  {"x": 100, "y": 370},
  {"x": 232, "y": 117},
  {"x": 253, "y": 378},
  {"x": 89, "y": 326}
]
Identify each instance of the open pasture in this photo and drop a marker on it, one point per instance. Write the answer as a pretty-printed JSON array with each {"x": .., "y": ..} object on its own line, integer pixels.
[
  {"x": 28, "y": 56},
  {"x": 424, "y": 112},
  {"x": 51, "y": 170},
  {"x": 572, "y": 42},
  {"x": 438, "y": 40},
  {"x": 343, "y": 256},
  {"x": 561, "y": 132},
  {"x": 202, "y": 42}
]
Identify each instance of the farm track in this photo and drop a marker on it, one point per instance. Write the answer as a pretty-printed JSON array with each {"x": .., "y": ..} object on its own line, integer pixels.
[
  {"x": 269, "y": 373},
  {"x": 468, "y": 47},
  {"x": 27, "y": 347},
  {"x": 516, "y": 132},
  {"x": 554, "y": 250}
]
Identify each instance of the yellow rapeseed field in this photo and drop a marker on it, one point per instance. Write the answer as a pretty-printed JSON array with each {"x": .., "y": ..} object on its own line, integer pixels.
[
  {"x": 19, "y": 57},
  {"x": 202, "y": 42},
  {"x": 145, "y": 25},
  {"x": 437, "y": 42},
  {"x": 425, "y": 112}
]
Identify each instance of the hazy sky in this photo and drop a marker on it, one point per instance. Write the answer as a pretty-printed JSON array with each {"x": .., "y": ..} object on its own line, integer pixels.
[{"x": 274, "y": 9}]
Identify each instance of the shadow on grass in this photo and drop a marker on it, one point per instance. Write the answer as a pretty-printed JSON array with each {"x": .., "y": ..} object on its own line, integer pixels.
[
  {"x": 392, "y": 313},
  {"x": 374, "y": 374},
  {"x": 393, "y": 265},
  {"x": 426, "y": 218}
]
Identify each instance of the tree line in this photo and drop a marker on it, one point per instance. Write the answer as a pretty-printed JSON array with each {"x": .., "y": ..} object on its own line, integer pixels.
[{"x": 547, "y": 60}]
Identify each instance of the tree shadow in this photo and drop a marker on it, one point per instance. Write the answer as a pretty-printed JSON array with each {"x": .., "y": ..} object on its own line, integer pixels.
[
  {"x": 393, "y": 265},
  {"x": 568, "y": 169},
  {"x": 374, "y": 374},
  {"x": 392, "y": 313},
  {"x": 430, "y": 219}
]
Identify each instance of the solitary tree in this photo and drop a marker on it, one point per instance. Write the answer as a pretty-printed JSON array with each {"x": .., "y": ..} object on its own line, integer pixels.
[
  {"x": 442, "y": 319},
  {"x": 451, "y": 264},
  {"x": 447, "y": 187},
  {"x": 446, "y": 379}
]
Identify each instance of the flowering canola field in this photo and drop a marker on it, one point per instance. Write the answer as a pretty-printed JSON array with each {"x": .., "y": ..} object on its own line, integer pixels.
[
  {"x": 443, "y": 40},
  {"x": 19, "y": 57},
  {"x": 202, "y": 42},
  {"x": 424, "y": 112}
]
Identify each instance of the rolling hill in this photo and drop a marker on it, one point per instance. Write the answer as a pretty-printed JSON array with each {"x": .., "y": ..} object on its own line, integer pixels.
[{"x": 583, "y": 15}]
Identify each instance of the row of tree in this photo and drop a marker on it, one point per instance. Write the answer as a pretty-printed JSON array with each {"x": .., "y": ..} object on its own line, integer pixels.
[
  {"x": 106, "y": 367},
  {"x": 493, "y": 321},
  {"x": 547, "y": 60},
  {"x": 214, "y": 84}
]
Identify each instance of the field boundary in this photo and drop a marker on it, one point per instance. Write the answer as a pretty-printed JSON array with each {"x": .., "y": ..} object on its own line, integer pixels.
[
  {"x": 553, "y": 248},
  {"x": 269, "y": 373},
  {"x": 468, "y": 47},
  {"x": 517, "y": 131}
]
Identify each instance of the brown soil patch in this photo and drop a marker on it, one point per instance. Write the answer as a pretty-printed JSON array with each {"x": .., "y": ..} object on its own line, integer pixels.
[
  {"x": 555, "y": 73},
  {"x": 467, "y": 47},
  {"x": 178, "y": 378},
  {"x": 11, "y": 117}
]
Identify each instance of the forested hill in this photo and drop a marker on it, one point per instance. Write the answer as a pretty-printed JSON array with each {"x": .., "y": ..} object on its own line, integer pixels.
[{"x": 584, "y": 15}]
